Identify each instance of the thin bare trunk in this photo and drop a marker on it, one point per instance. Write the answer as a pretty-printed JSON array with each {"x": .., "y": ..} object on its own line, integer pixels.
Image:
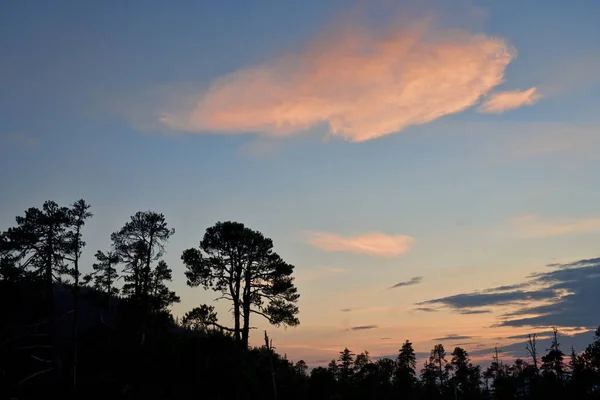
[
  {"x": 76, "y": 310},
  {"x": 530, "y": 346}
]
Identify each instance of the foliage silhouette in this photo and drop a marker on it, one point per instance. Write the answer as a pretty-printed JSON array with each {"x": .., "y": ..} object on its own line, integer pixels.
[{"x": 240, "y": 264}]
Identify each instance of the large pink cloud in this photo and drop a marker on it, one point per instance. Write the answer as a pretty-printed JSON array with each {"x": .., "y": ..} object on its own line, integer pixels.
[
  {"x": 374, "y": 243},
  {"x": 361, "y": 83}
]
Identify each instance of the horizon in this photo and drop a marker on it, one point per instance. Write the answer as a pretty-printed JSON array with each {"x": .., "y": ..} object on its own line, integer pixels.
[{"x": 427, "y": 167}]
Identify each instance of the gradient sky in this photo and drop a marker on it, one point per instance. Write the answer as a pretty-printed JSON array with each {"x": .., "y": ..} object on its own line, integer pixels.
[{"x": 451, "y": 146}]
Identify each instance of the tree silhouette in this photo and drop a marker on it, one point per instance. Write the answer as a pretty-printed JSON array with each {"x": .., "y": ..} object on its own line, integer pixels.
[
  {"x": 139, "y": 243},
  {"x": 40, "y": 243},
  {"x": 159, "y": 295},
  {"x": 40, "y": 246},
  {"x": 79, "y": 214},
  {"x": 552, "y": 362},
  {"x": 200, "y": 318},
  {"x": 240, "y": 264},
  {"x": 438, "y": 358},
  {"x": 361, "y": 361},
  {"x": 105, "y": 274},
  {"x": 591, "y": 354},
  {"x": 466, "y": 376},
  {"x": 429, "y": 377},
  {"x": 301, "y": 367},
  {"x": 406, "y": 363}
]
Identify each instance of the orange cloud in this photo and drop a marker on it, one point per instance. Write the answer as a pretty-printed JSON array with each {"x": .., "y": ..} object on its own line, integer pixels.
[
  {"x": 530, "y": 226},
  {"x": 375, "y": 243},
  {"x": 509, "y": 100},
  {"x": 362, "y": 84}
]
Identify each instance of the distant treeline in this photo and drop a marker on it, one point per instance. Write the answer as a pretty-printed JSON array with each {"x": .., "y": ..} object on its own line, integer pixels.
[{"x": 110, "y": 334}]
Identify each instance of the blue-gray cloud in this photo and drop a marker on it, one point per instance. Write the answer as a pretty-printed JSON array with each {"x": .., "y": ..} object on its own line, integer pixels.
[
  {"x": 542, "y": 334},
  {"x": 468, "y": 312},
  {"x": 413, "y": 281},
  {"x": 578, "y": 341},
  {"x": 569, "y": 291},
  {"x": 363, "y": 327},
  {"x": 426, "y": 309},
  {"x": 460, "y": 302},
  {"x": 580, "y": 280},
  {"x": 452, "y": 336},
  {"x": 507, "y": 288},
  {"x": 420, "y": 355}
]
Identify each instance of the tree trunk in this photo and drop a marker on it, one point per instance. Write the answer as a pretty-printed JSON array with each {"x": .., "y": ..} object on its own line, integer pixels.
[
  {"x": 75, "y": 313},
  {"x": 146, "y": 284},
  {"x": 246, "y": 310},
  {"x": 236, "y": 318},
  {"x": 246, "y": 327},
  {"x": 49, "y": 279}
]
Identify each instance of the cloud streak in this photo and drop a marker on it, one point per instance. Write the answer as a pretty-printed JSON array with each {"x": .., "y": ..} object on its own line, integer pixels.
[
  {"x": 361, "y": 83},
  {"x": 531, "y": 226},
  {"x": 452, "y": 336},
  {"x": 426, "y": 309},
  {"x": 413, "y": 281},
  {"x": 509, "y": 100},
  {"x": 363, "y": 327},
  {"x": 375, "y": 243}
]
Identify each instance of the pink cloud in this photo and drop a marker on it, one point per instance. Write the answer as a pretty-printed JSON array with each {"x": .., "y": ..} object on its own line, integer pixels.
[
  {"x": 362, "y": 84},
  {"x": 509, "y": 100},
  {"x": 375, "y": 243}
]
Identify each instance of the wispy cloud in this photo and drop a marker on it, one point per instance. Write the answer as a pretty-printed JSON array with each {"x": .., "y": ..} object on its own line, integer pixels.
[
  {"x": 413, "y": 281},
  {"x": 363, "y": 327},
  {"x": 452, "y": 336},
  {"x": 19, "y": 139},
  {"x": 531, "y": 226},
  {"x": 361, "y": 83},
  {"x": 472, "y": 312},
  {"x": 498, "y": 103},
  {"x": 426, "y": 309},
  {"x": 375, "y": 243}
]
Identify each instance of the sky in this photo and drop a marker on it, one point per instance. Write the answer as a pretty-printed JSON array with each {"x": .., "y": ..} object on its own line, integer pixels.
[{"x": 430, "y": 168}]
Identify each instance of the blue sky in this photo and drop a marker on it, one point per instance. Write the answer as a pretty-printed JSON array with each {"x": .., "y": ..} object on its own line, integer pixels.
[{"x": 475, "y": 169}]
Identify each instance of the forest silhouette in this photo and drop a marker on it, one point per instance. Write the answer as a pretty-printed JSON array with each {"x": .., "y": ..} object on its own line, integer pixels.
[{"x": 110, "y": 333}]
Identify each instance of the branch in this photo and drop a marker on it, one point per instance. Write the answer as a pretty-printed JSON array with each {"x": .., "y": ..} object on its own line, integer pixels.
[
  {"x": 263, "y": 314},
  {"x": 223, "y": 327},
  {"x": 224, "y": 296},
  {"x": 40, "y": 359},
  {"x": 34, "y": 375}
]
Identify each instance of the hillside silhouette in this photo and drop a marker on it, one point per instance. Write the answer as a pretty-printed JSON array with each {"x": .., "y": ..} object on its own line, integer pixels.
[{"x": 110, "y": 333}]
